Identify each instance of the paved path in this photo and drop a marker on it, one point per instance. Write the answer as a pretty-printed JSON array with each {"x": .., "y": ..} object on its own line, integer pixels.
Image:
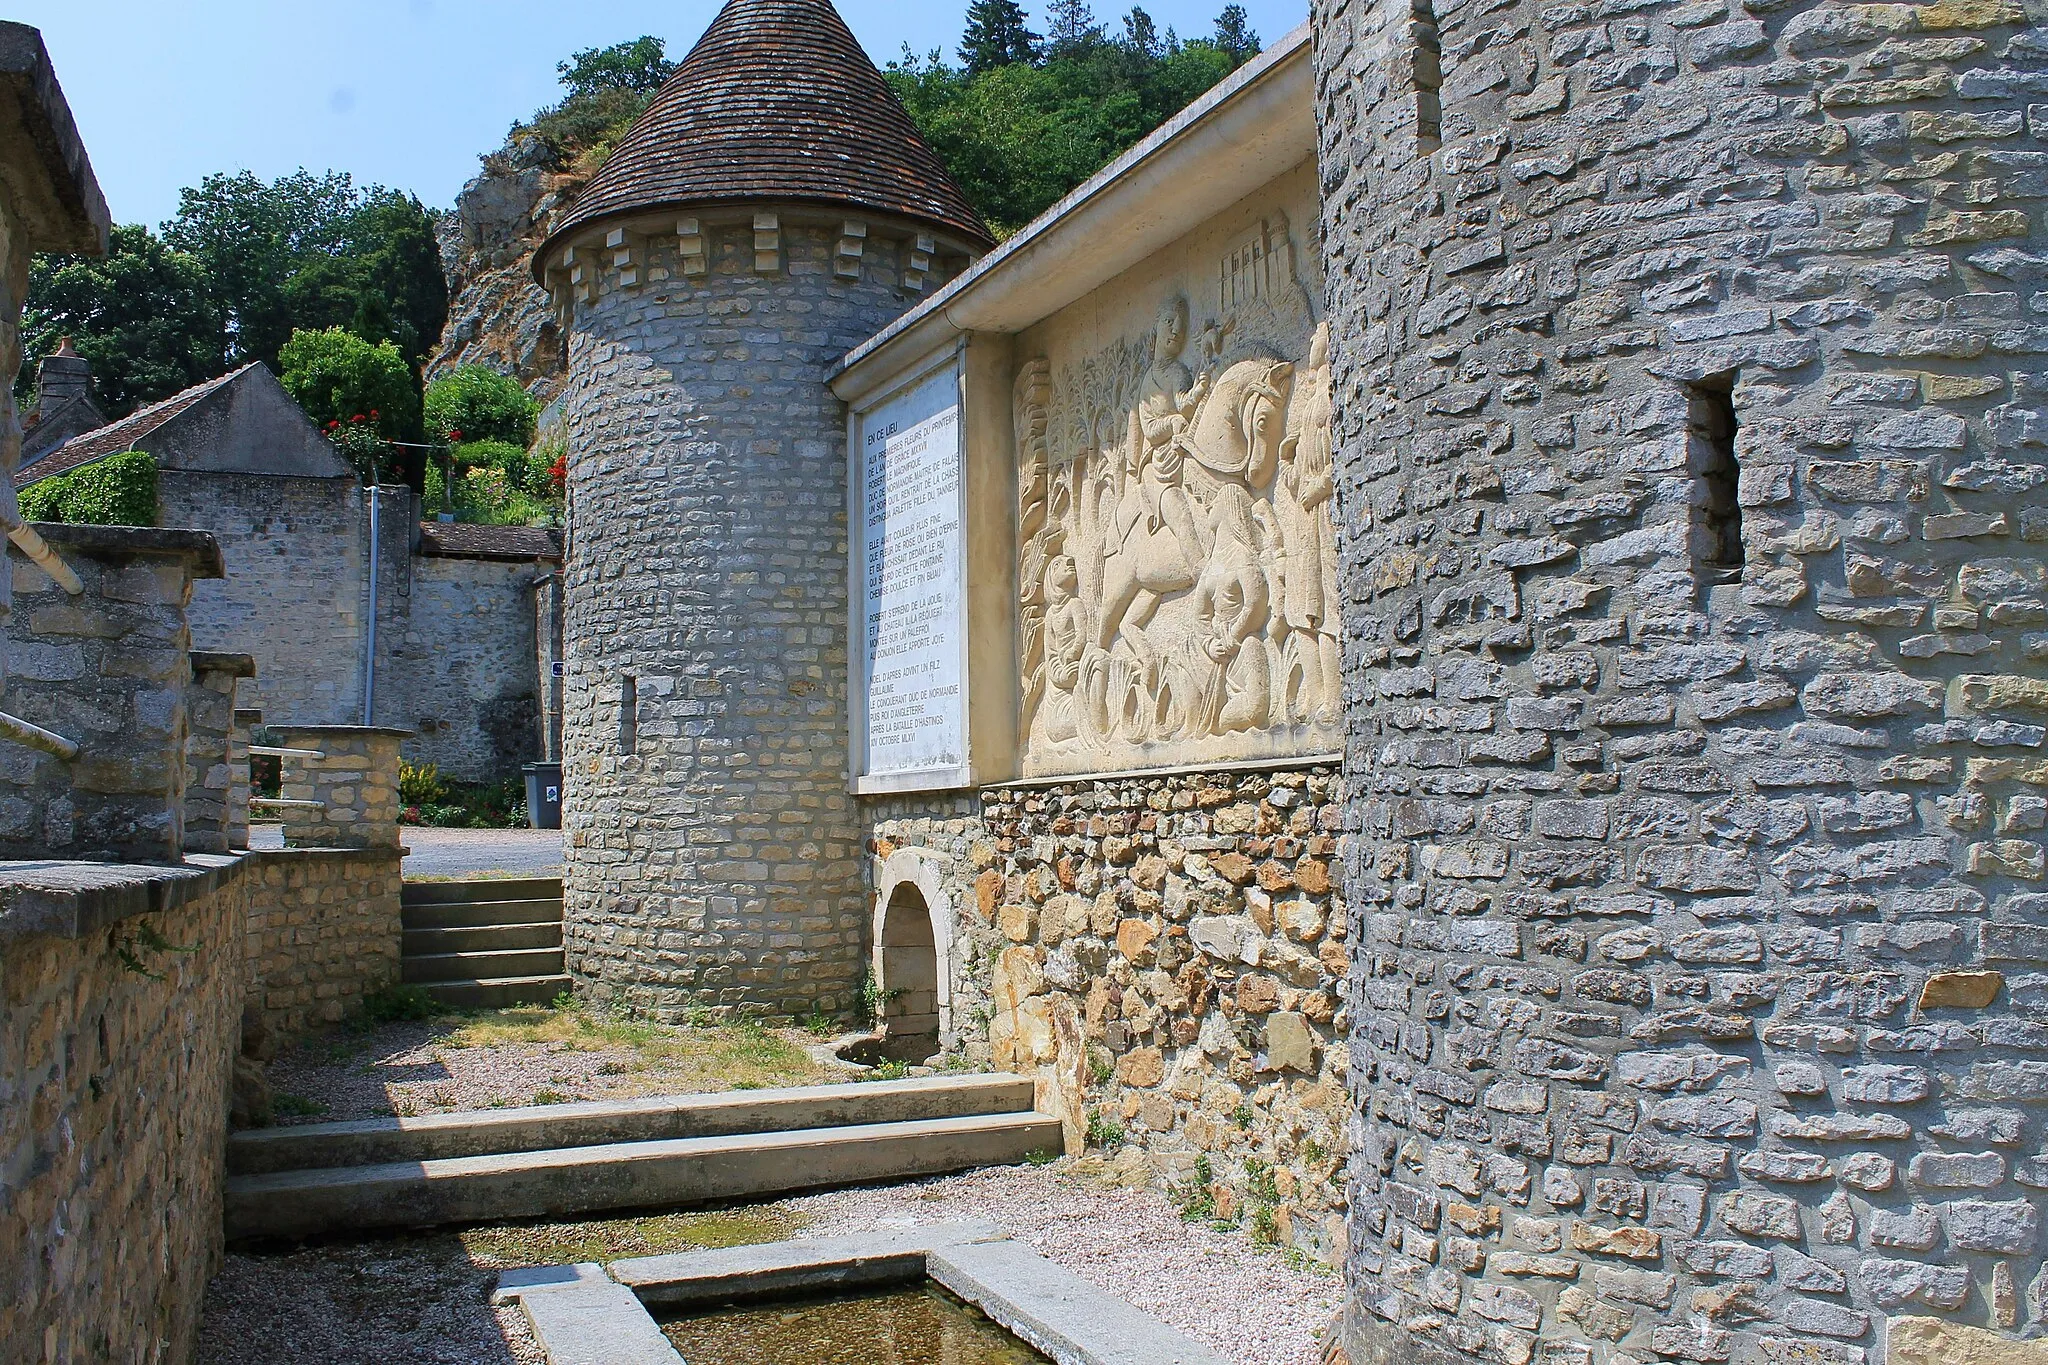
[{"x": 462, "y": 852}]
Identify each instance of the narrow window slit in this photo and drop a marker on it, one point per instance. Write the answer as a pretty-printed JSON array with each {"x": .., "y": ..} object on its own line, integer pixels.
[
  {"x": 629, "y": 714},
  {"x": 1717, "y": 507},
  {"x": 1427, "y": 58}
]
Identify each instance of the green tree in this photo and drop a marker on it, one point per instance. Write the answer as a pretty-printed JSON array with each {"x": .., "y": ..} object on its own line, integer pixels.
[
  {"x": 482, "y": 405},
  {"x": 1235, "y": 35},
  {"x": 996, "y": 36},
  {"x": 342, "y": 380},
  {"x": 641, "y": 65},
  {"x": 143, "y": 315},
  {"x": 1020, "y": 135},
  {"x": 607, "y": 88}
]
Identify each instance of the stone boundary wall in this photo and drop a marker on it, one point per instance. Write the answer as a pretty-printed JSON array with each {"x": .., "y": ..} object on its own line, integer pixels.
[
  {"x": 1693, "y": 477},
  {"x": 352, "y": 788},
  {"x": 463, "y": 656},
  {"x": 120, "y": 1009},
  {"x": 323, "y": 931},
  {"x": 1166, "y": 954}
]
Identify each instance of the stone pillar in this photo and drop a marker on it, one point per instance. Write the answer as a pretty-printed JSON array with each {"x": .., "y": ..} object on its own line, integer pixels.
[
  {"x": 1694, "y": 493},
  {"x": 713, "y": 858},
  {"x": 210, "y": 761},
  {"x": 108, "y": 669},
  {"x": 245, "y": 721},
  {"x": 547, "y": 636},
  {"x": 350, "y": 792}
]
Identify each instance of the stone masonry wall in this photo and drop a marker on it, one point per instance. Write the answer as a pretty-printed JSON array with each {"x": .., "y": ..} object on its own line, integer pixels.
[
  {"x": 119, "y": 1024},
  {"x": 347, "y": 797},
  {"x": 1166, "y": 955},
  {"x": 713, "y": 860},
  {"x": 1696, "y": 882},
  {"x": 108, "y": 669},
  {"x": 462, "y": 659},
  {"x": 323, "y": 930}
]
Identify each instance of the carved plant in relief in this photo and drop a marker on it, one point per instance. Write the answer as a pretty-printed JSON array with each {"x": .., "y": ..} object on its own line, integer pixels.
[{"x": 1177, "y": 562}]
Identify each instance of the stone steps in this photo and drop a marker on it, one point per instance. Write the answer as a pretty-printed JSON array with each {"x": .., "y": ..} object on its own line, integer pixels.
[
  {"x": 489, "y": 943},
  {"x": 622, "y": 1155},
  {"x": 483, "y": 1132},
  {"x": 481, "y": 938}
]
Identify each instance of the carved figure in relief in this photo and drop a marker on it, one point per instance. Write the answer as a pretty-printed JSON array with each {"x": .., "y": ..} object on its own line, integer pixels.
[
  {"x": 1066, "y": 643},
  {"x": 1176, "y": 565},
  {"x": 1231, "y": 604},
  {"x": 1312, "y": 678}
]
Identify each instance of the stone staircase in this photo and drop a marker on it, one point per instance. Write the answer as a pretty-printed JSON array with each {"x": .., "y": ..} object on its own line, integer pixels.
[
  {"x": 484, "y": 943},
  {"x": 569, "y": 1160}
]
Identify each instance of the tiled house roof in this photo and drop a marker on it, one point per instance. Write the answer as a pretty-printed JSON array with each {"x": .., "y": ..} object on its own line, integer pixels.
[
  {"x": 116, "y": 437},
  {"x": 461, "y": 540},
  {"x": 775, "y": 102}
]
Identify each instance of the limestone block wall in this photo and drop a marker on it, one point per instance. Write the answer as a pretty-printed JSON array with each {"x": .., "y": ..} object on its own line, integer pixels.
[
  {"x": 108, "y": 669},
  {"x": 293, "y": 595},
  {"x": 713, "y": 859},
  {"x": 461, "y": 663},
  {"x": 348, "y": 797},
  {"x": 1689, "y": 411},
  {"x": 120, "y": 1015},
  {"x": 211, "y": 779},
  {"x": 1166, "y": 954},
  {"x": 323, "y": 930}
]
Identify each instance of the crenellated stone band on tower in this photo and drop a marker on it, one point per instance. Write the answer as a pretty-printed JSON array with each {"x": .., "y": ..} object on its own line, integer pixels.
[
  {"x": 773, "y": 208},
  {"x": 1690, "y": 419}
]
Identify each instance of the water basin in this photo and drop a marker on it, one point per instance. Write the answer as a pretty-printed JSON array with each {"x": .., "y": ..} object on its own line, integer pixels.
[{"x": 917, "y": 1324}]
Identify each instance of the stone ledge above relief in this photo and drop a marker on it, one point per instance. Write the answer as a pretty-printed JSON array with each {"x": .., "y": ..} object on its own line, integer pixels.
[{"x": 1176, "y": 562}]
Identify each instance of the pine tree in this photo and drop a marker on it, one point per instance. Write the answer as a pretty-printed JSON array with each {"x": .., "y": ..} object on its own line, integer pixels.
[
  {"x": 1234, "y": 34},
  {"x": 1141, "y": 33},
  {"x": 1071, "y": 28},
  {"x": 996, "y": 36}
]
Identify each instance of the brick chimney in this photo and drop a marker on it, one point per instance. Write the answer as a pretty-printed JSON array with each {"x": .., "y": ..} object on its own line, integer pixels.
[{"x": 63, "y": 375}]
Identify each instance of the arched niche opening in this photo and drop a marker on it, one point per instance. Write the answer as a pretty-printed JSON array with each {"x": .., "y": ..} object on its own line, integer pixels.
[{"x": 907, "y": 970}]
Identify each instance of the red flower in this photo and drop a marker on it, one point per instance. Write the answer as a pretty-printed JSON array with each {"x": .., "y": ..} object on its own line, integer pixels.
[
  {"x": 373, "y": 412},
  {"x": 335, "y": 423},
  {"x": 454, "y": 435},
  {"x": 357, "y": 418}
]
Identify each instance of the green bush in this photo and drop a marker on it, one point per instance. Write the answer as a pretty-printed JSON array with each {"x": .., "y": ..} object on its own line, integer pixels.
[
  {"x": 344, "y": 382},
  {"x": 476, "y": 403},
  {"x": 496, "y": 484},
  {"x": 119, "y": 490},
  {"x": 435, "y": 800}
]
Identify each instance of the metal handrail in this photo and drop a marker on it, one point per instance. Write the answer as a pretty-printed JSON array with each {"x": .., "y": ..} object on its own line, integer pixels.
[
  {"x": 30, "y": 543},
  {"x": 36, "y": 737}
]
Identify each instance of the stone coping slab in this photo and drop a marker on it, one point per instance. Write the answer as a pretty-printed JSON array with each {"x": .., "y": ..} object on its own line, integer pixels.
[
  {"x": 215, "y": 661},
  {"x": 344, "y": 731},
  {"x": 590, "y": 1123},
  {"x": 70, "y": 899},
  {"x": 134, "y": 542},
  {"x": 1052, "y": 1309}
]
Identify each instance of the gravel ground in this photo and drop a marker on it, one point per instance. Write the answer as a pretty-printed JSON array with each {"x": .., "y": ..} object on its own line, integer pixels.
[
  {"x": 426, "y": 1299},
  {"x": 413, "y": 1068}
]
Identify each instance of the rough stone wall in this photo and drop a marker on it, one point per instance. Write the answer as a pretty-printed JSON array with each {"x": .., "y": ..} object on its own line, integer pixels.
[
  {"x": 1166, "y": 955},
  {"x": 108, "y": 669},
  {"x": 210, "y": 754},
  {"x": 293, "y": 597},
  {"x": 323, "y": 931},
  {"x": 1698, "y": 982},
  {"x": 115, "y": 1056},
  {"x": 713, "y": 856},
  {"x": 462, "y": 660},
  {"x": 346, "y": 798}
]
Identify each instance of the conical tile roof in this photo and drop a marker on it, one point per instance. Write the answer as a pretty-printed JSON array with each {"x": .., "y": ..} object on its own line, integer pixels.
[{"x": 775, "y": 102}]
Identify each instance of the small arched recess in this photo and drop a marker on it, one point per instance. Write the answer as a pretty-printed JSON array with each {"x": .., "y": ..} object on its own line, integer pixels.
[{"x": 913, "y": 958}]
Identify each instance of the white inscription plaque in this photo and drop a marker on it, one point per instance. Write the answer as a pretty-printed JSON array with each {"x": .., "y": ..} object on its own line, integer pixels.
[{"x": 914, "y": 572}]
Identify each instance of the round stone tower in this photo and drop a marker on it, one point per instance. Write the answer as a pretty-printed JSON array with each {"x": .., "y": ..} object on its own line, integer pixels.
[
  {"x": 1693, "y": 475},
  {"x": 774, "y": 207}
]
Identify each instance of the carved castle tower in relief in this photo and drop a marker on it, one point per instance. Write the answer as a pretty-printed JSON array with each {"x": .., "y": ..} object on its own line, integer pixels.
[{"x": 773, "y": 208}]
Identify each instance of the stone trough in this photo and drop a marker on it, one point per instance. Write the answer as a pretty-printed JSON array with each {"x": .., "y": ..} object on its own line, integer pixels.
[{"x": 606, "y": 1315}]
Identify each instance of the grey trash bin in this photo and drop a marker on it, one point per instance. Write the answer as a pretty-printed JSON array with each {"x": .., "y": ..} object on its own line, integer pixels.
[{"x": 544, "y": 795}]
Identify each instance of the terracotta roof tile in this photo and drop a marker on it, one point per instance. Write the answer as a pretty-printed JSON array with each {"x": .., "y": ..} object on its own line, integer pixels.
[
  {"x": 461, "y": 540},
  {"x": 775, "y": 102},
  {"x": 116, "y": 437}
]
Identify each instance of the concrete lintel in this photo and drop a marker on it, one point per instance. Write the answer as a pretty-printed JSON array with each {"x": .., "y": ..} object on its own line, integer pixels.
[
  {"x": 47, "y": 176},
  {"x": 214, "y": 661},
  {"x": 804, "y": 1266},
  {"x": 344, "y": 731}
]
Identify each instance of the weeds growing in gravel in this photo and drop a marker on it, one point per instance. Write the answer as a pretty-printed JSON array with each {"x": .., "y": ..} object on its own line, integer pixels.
[
  {"x": 297, "y": 1107},
  {"x": 713, "y": 1056}
]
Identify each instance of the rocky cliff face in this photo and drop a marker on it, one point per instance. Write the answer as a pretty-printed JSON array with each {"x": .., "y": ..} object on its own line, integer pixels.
[{"x": 497, "y": 316}]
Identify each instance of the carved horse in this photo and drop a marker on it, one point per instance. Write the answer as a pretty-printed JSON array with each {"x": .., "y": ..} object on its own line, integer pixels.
[{"x": 1235, "y": 435}]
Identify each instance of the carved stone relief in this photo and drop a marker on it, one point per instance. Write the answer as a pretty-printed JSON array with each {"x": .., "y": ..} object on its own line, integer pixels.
[{"x": 1177, "y": 564}]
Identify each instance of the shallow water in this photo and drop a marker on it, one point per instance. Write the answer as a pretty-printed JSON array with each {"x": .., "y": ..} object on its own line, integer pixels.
[{"x": 916, "y": 1325}]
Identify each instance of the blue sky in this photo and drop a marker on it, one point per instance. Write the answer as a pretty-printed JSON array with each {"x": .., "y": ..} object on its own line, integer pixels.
[{"x": 400, "y": 92}]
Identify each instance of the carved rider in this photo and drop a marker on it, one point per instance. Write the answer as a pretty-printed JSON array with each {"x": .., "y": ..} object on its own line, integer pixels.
[{"x": 1168, "y": 399}]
